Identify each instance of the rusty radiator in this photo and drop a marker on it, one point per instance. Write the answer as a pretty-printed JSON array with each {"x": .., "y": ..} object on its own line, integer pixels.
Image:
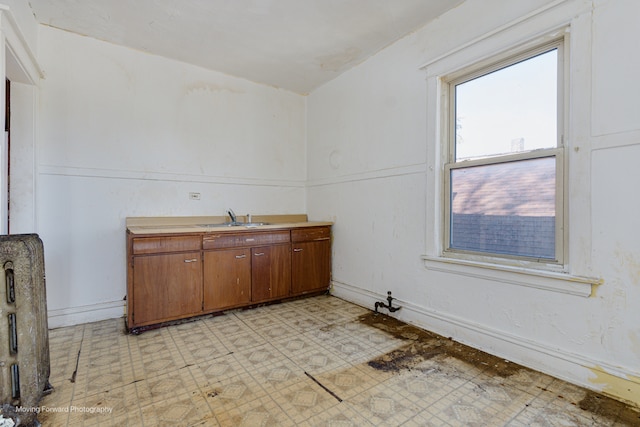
[{"x": 24, "y": 337}]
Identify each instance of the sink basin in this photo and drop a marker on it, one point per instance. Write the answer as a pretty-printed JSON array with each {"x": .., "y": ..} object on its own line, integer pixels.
[{"x": 234, "y": 224}]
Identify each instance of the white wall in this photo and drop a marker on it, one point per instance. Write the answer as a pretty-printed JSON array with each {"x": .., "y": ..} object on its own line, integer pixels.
[
  {"x": 369, "y": 167},
  {"x": 123, "y": 133},
  {"x": 23, "y": 158},
  {"x": 19, "y": 65}
]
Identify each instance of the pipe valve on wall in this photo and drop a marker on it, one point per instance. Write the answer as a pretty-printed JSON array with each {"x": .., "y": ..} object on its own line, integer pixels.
[{"x": 388, "y": 305}]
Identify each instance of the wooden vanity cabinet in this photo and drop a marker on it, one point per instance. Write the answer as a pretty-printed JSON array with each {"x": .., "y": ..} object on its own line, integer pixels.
[
  {"x": 165, "y": 279},
  {"x": 310, "y": 260},
  {"x": 227, "y": 278},
  {"x": 175, "y": 276},
  {"x": 270, "y": 272},
  {"x": 241, "y": 268}
]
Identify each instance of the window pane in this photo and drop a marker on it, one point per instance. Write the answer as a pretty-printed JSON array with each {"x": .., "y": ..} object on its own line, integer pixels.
[
  {"x": 509, "y": 110},
  {"x": 505, "y": 208}
]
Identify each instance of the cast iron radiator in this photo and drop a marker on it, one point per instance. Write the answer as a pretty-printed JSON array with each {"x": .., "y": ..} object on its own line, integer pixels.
[{"x": 24, "y": 335}]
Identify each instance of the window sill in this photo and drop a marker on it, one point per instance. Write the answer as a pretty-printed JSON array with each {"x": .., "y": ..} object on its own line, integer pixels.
[{"x": 547, "y": 280}]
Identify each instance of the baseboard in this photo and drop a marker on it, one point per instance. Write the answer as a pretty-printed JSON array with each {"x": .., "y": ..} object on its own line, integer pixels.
[
  {"x": 85, "y": 314},
  {"x": 619, "y": 383}
]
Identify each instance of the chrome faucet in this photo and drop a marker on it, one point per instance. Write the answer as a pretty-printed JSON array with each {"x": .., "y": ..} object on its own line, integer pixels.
[{"x": 232, "y": 215}]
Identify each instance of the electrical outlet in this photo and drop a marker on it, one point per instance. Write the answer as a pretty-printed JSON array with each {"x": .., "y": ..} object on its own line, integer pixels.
[{"x": 194, "y": 196}]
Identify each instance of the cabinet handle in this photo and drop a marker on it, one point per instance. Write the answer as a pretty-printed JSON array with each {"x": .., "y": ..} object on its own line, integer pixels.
[
  {"x": 240, "y": 256},
  {"x": 191, "y": 260},
  {"x": 259, "y": 254},
  {"x": 250, "y": 240},
  {"x": 297, "y": 249}
]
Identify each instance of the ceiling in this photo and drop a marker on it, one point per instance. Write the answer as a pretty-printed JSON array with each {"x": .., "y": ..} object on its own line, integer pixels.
[{"x": 292, "y": 44}]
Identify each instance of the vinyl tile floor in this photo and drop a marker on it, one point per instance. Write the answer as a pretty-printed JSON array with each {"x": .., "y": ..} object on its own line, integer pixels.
[{"x": 318, "y": 361}]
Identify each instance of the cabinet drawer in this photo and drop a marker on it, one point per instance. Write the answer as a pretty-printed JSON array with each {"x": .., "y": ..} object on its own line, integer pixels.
[
  {"x": 231, "y": 240},
  {"x": 310, "y": 234},
  {"x": 151, "y": 245}
]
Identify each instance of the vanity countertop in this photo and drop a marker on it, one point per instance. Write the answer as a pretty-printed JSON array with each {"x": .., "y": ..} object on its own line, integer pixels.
[{"x": 216, "y": 224}]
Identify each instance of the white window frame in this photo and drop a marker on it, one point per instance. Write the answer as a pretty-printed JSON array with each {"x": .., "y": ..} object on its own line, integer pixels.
[
  {"x": 480, "y": 69},
  {"x": 574, "y": 276}
]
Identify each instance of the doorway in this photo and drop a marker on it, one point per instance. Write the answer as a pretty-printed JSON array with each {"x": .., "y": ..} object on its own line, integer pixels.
[{"x": 4, "y": 162}]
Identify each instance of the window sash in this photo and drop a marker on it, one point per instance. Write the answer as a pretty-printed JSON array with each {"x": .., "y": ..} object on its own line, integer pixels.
[
  {"x": 557, "y": 154},
  {"x": 449, "y": 123},
  {"x": 504, "y": 61}
]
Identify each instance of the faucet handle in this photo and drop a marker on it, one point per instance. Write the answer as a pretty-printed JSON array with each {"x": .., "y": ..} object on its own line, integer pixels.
[{"x": 231, "y": 214}]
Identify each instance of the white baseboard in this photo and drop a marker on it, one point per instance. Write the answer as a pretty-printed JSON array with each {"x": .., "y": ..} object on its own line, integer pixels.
[
  {"x": 85, "y": 314},
  {"x": 578, "y": 369}
]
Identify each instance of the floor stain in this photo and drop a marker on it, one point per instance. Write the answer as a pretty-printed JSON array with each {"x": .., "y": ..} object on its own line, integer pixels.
[
  {"x": 423, "y": 345},
  {"x": 609, "y": 408}
]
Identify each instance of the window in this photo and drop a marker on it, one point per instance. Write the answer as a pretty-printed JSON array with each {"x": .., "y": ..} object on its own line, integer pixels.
[
  {"x": 504, "y": 165},
  {"x": 563, "y": 156}
]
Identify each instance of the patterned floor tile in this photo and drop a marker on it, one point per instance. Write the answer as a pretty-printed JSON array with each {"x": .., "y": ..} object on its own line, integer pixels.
[
  {"x": 179, "y": 411},
  {"x": 64, "y": 347},
  {"x": 566, "y": 404},
  {"x": 318, "y": 361},
  {"x": 241, "y": 341},
  {"x": 426, "y": 419},
  {"x": 342, "y": 415},
  {"x": 482, "y": 404},
  {"x": 258, "y": 320},
  {"x": 553, "y": 416},
  {"x": 382, "y": 407},
  {"x": 261, "y": 411},
  {"x": 154, "y": 354},
  {"x": 254, "y": 358},
  {"x": 304, "y": 399},
  {"x": 229, "y": 394},
  {"x": 423, "y": 387},
  {"x": 327, "y": 334},
  {"x": 333, "y": 316},
  {"x": 196, "y": 344},
  {"x": 227, "y": 325},
  {"x": 295, "y": 345},
  {"x": 305, "y": 322},
  {"x": 277, "y": 331},
  {"x": 349, "y": 382},
  {"x": 170, "y": 385}
]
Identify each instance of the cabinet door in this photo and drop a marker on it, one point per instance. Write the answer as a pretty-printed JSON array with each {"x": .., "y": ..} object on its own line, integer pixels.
[
  {"x": 310, "y": 266},
  {"x": 270, "y": 272},
  {"x": 166, "y": 287},
  {"x": 227, "y": 278}
]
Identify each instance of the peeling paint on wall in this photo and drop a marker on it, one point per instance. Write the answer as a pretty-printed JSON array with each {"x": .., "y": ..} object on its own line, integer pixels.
[{"x": 624, "y": 389}]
